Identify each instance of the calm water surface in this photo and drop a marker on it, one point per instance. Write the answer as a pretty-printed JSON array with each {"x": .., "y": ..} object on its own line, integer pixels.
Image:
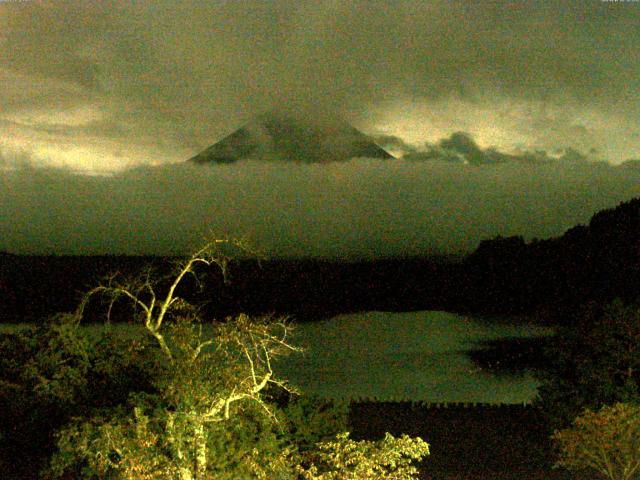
[
  {"x": 394, "y": 356},
  {"x": 413, "y": 355}
]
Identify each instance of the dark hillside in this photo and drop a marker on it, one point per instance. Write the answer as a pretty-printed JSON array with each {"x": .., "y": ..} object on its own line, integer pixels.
[
  {"x": 596, "y": 262},
  {"x": 34, "y": 287}
]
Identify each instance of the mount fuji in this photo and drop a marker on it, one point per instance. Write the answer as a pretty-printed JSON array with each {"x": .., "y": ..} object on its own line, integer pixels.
[{"x": 293, "y": 137}]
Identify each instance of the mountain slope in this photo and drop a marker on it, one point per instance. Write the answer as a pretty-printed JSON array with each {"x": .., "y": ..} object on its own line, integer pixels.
[{"x": 290, "y": 137}]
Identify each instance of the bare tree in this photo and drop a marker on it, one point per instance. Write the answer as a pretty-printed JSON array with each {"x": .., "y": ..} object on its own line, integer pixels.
[
  {"x": 231, "y": 365},
  {"x": 142, "y": 292}
]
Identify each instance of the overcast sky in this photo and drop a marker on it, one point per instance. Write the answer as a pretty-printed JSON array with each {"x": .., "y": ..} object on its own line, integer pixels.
[
  {"x": 116, "y": 86},
  {"x": 106, "y": 84}
]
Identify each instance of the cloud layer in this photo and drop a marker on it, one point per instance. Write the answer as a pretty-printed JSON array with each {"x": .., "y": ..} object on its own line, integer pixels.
[
  {"x": 157, "y": 81},
  {"x": 360, "y": 208}
]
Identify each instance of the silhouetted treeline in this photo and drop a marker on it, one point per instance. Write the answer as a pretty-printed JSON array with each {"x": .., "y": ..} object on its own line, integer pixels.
[
  {"x": 596, "y": 262},
  {"x": 34, "y": 287},
  {"x": 309, "y": 289}
]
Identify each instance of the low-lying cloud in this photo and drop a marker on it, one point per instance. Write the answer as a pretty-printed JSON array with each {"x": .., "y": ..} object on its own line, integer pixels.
[
  {"x": 460, "y": 147},
  {"x": 359, "y": 208}
]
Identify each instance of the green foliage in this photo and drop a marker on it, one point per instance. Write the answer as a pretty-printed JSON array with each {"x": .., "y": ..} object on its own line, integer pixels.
[
  {"x": 131, "y": 442},
  {"x": 179, "y": 432},
  {"x": 206, "y": 417},
  {"x": 55, "y": 371},
  {"x": 180, "y": 404},
  {"x": 607, "y": 441},
  {"x": 139, "y": 443},
  {"x": 345, "y": 459},
  {"x": 51, "y": 361},
  {"x": 593, "y": 362},
  {"x": 312, "y": 420}
]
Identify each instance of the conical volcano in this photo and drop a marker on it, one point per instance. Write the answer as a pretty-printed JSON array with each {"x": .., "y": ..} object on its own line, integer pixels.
[{"x": 293, "y": 137}]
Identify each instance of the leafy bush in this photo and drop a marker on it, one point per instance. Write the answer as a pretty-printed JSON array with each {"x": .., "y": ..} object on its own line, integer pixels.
[
  {"x": 312, "y": 420},
  {"x": 53, "y": 372},
  {"x": 206, "y": 416},
  {"x": 345, "y": 459},
  {"x": 187, "y": 405},
  {"x": 607, "y": 441},
  {"x": 594, "y": 361}
]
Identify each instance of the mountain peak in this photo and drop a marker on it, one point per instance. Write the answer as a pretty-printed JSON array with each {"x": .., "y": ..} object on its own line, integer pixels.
[{"x": 298, "y": 136}]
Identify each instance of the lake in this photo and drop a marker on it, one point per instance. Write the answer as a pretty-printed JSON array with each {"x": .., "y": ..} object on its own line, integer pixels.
[{"x": 415, "y": 356}]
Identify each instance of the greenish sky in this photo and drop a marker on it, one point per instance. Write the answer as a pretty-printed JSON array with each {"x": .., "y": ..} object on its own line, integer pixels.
[
  {"x": 106, "y": 84},
  {"x": 103, "y": 85}
]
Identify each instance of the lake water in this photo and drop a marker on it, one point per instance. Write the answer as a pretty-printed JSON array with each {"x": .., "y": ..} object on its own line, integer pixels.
[{"x": 413, "y": 355}]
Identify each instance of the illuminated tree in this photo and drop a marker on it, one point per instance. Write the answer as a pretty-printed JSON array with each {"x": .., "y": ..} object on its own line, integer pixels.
[
  {"x": 207, "y": 376},
  {"x": 212, "y": 413},
  {"x": 607, "y": 441},
  {"x": 345, "y": 459}
]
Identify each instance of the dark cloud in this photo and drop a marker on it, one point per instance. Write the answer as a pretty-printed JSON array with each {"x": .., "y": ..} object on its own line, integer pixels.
[
  {"x": 350, "y": 209},
  {"x": 463, "y": 145},
  {"x": 191, "y": 71},
  {"x": 460, "y": 147},
  {"x": 572, "y": 155}
]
